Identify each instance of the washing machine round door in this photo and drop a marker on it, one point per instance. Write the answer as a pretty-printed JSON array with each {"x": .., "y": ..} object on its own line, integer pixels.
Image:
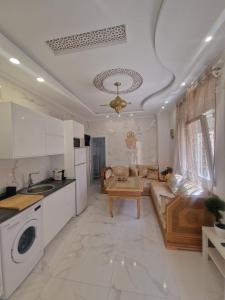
[{"x": 24, "y": 243}]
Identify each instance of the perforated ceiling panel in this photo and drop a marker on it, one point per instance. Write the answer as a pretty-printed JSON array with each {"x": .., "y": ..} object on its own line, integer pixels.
[{"x": 92, "y": 39}]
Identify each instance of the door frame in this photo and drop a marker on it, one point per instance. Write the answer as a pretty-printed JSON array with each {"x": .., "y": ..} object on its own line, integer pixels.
[{"x": 92, "y": 164}]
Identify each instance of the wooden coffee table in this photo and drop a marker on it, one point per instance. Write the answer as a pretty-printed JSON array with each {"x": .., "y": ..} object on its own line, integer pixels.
[{"x": 125, "y": 190}]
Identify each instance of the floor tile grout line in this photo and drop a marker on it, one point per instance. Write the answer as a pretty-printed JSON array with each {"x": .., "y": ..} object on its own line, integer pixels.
[{"x": 80, "y": 282}]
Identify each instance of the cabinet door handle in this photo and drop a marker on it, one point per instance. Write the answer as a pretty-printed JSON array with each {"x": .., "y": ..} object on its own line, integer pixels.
[{"x": 37, "y": 208}]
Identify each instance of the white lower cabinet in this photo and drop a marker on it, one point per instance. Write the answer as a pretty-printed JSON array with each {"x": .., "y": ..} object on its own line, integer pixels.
[{"x": 58, "y": 209}]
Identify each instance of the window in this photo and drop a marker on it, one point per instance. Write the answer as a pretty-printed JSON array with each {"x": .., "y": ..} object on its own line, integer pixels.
[
  {"x": 210, "y": 118},
  {"x": 200, "y": 145},
  {"x": 197, "y": 151}
]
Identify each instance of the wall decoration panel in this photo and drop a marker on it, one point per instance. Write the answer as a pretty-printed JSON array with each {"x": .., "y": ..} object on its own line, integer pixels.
[{"x": 115, "y": 131}]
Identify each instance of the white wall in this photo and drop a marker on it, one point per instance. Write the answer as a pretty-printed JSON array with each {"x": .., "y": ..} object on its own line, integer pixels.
[
  {"x": 165, "y": 122},
  {"x": 115, "y": 131}
]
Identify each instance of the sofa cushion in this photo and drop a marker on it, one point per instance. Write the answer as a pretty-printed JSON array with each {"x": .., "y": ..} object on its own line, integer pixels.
[
  {"x": 160, "y": 189},
  {"x": 174, "y": 181},
  {"x": 143, "y": 170},
  {"x": 164, "y": 201},
  {"x": 121, "y": 171}
]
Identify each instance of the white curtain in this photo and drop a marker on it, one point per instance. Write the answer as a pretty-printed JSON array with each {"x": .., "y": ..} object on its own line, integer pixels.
[
  {"x": 192, "y": 128},
  {"x": 180, "y": 157}
]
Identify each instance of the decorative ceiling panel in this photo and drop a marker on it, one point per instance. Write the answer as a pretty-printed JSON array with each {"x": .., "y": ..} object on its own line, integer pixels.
[
  {"x": 92, "y": 39},
  {"x": 137, "y": 80}
]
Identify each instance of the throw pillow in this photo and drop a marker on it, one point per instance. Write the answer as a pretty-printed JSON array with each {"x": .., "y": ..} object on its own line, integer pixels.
[
  {"x": 143, "y": 171},
  {"x": 108, "y": 173},
  {"x": 174, "y": 181},
  {"x": 187, "y": 188},
  {"x": 153, "y": 174}
]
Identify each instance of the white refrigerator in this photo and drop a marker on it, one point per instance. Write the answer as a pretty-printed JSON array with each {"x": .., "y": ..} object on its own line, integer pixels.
[{"x": 81, "y": 179}]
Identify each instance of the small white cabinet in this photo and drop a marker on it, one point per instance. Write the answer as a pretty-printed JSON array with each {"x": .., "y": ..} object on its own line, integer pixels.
[
  {"x": 58, "y": 209},
  {"x": 26, "y": 133},
  {"x": 71, "y": 129}
]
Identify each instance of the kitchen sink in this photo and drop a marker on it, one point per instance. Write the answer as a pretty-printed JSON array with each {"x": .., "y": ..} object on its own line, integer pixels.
[{"x": 39, "y": 188}]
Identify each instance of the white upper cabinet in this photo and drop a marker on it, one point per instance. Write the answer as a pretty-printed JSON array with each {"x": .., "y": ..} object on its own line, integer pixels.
[
  {"x": 26, "y": 133},
  {"x": 54, "y": 136},
  {"x": 54, "y": 126},
  {"x": 78, "y": 130}
]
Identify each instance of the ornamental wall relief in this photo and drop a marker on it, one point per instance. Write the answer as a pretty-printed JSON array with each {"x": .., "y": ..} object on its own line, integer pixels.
[{"x": 132, "y": 151}]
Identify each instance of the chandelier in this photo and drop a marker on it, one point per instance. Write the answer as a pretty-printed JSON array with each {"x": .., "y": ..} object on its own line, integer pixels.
[{"x": 118, "y": 103}]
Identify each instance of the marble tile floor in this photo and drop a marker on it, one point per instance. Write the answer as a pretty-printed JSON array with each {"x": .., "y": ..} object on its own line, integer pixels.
[{"x": 96, "y": 257}]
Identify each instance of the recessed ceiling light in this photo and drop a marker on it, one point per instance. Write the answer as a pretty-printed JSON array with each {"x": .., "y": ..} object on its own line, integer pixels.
[
  {"x": 131, "y": 115},
  {"x": 40, "y": 79},
  {"x": 183, "y": 83},
  {"x": 208, "y": 38},
  {"x": 14, "y": 61},
  {"x": 166, "y": 102},
  {"x": 107, "y": 116},
  {"x": 163, "y": 107}
]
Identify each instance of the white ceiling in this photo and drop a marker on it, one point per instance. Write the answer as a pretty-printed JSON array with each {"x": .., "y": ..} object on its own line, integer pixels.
[{"x": 165, "y": 44}]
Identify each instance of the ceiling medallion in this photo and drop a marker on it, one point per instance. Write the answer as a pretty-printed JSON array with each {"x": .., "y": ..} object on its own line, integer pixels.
[
  {"x": 137, "y": 80},
  {"x": 118, "y": 103}
]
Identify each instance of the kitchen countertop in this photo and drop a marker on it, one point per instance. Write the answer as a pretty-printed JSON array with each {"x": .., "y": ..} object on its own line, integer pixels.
[{"x": 6, "y": 213}]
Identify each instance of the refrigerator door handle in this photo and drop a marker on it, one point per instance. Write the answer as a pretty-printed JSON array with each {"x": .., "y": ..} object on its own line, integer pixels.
[{"x": 84, "y": 163}]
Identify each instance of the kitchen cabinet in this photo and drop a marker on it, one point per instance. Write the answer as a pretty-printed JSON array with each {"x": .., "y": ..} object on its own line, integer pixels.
[
  {"x": 22, "y": 132},
  {"x": 54, "y": 136},
  {"x": 26, "y": 133},
  {"x": 71, "y": 129},
  {"x": 78, "y": 130},
  {"x": 58, "y": 209}
]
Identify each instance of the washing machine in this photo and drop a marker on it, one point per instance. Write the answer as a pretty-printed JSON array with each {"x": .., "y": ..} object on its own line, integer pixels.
[{"x": 21, "y": 242}]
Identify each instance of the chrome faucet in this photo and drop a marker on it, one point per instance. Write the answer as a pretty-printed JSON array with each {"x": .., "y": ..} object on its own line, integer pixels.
[{"x": 30, "y": 181}]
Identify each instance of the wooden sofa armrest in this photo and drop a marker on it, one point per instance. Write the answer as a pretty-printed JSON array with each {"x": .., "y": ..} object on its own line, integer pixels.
[
  {"x": 103, "y": 171},
  {"x": 185, "y": 217}
]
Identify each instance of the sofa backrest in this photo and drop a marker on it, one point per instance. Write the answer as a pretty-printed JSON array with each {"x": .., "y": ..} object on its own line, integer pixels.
[
  {"x": 148, "y": 171},
  {"x": 144, "y": 171},
  {"x": 120, "y": 171}
]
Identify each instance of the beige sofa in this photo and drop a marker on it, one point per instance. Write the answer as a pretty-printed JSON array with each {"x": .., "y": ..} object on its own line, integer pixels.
[
  {"x": 145, "y": 172},
  {"x": 179, "y": 205}
]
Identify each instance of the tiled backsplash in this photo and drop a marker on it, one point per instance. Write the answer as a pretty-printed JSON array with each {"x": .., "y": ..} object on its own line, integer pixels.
[{"x": 15, "y": 171}]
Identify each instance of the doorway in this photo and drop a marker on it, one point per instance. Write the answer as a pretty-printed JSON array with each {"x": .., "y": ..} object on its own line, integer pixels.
[{"x": 98, "y": 156}]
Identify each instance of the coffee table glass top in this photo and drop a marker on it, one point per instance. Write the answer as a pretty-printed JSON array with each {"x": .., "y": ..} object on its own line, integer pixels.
[{"x": 131, "y": 184}]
